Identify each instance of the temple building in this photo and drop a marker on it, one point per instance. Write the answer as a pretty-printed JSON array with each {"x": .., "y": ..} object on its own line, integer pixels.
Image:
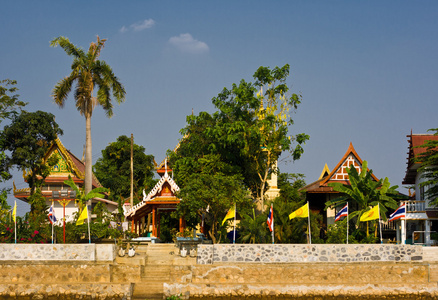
[
  {"x": 56, "y": 191},
  {"x": 319, "y": 192},
  {"x": 161, "y": 199},
  {"x": 421, "y": 218}
]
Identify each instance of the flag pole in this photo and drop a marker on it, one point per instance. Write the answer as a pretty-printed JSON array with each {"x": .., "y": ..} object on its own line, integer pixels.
[
  {"x": 380, "y": 226},
  {"x": 308, "y": 218},
  {"x": 347, "y": 222},
  {"x": 14, "y": 213},
  {"x": 52, "y": 221},
  {"x": 234, "y": 233},
  {"x": 88, "y": 221},
  {"x": 272, "y": 232}
]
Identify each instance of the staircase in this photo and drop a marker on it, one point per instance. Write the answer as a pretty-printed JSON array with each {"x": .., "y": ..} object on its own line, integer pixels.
[{"x": 156, "y": 271}]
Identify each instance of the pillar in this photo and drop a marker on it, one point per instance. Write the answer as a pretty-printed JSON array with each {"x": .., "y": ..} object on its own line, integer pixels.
[
  {"x": 403, "y": 231},
  {"x": 154, "y": 232},
  {"x": 427, "y": 232},
  {"x": 181, "y": 225}
]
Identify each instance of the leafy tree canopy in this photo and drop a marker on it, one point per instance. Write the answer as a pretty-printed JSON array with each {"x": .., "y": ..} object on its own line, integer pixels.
[
  {"x": 27, "y": 139},
  {"x": 246, "y": 135},
  {"x": 9, "y": 103},
  {"x": 429, "y": 168},
  {"x": 113, "y": 169}
]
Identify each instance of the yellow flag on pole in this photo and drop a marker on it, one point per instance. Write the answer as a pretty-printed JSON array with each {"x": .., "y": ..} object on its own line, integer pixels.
[
  {"x": 14, "y": 212},
  {"x": 230, "y": 214},
  {"x": 372, "y": 214},
  {"x": 83, "y": 216},
  {"x": 302, "y": 212}
]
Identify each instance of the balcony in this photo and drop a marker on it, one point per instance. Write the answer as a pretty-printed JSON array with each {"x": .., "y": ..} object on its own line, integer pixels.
[{"x": 415, "y": 206}]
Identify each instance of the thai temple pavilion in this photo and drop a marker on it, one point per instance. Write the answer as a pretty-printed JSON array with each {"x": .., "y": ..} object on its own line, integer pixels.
[
  {"x": 161, "y": 199},
  {"x": 54, "y": 188},
  {"x": 318, "y": 192}
]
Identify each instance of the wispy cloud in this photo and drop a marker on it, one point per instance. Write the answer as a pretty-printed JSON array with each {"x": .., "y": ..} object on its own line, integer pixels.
[
  {"x": 138, "y": 26},
  {"x": 186, "y": 43}
]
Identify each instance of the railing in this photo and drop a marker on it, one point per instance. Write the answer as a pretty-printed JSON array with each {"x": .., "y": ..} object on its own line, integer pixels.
[
  {"x": 415, "y": 206},
  {"x": 389, "y": 225}
]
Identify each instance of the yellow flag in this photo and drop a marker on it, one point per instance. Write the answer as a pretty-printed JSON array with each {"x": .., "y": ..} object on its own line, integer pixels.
[
  {"x": 302, "y": 212},
  {"x": 14, "y": 212},
  {"x": 372, "y": 214},
  {"x": 230, "y": 214},
  {"x": 83, "y": 216}
]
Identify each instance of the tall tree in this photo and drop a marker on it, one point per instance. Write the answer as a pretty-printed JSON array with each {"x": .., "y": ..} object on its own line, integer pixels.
[
  {"x": 248, "y": 132},
  {"x": 274, "y": 117},
  {"x": 9, "y": 107},
  {"x": 113, "y": 169},
  {"x": 429, "y": 168},
  {"x": 88, "y": 72},
  {"x": 365, "y": 192},
  {"x": 28, "y": 138}
]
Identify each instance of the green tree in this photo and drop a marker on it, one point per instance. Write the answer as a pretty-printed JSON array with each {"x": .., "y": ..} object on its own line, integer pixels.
[
  {"x": 9, "y": 103},
  {"x": 113, "y": 169},
  {"x": 28, "y": 138},
  {"x": 88, "y": 72},
  {"x": 429, "y": 168},
  {"x": 365, "y": 192},
  {"x": 9, "y": 107},
  {"x": 274, "y": 116},
  {"x": 253, "y": 229},
  {"x": 213, "y": 195}
]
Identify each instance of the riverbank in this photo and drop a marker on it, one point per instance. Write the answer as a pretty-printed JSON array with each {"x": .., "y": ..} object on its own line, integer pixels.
[{"x": 157, "y": 272}]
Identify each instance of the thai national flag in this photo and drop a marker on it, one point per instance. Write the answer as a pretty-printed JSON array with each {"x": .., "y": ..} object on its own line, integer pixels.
[
  {"x": 271, "y": 219},
  {"x": 52, "y": 217},
  {"x": 342, "y": 213},
  {"x": 399, "y": 213}
]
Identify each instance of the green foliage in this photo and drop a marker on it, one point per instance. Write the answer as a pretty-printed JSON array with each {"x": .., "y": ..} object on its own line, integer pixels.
[
  {"x": 337, "y": 233},
  {"x": 28, "y": 138},
  {"x": 216, "y": 191},
  {"x": 365, "y": 192},
  {"x": 242, "y": 138},
  {"x": 253, "y": 229},
  {"x": 9, "y": 103},
  {"x": 174, "y": 297},
  {"x": 88, "y": 73},
  {"x": 113, "y": 169},
  {"x": 429, "y": 168}
]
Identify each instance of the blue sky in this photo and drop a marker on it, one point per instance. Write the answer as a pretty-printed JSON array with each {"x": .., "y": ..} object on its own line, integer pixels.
[{"x": 367, "y": 70}]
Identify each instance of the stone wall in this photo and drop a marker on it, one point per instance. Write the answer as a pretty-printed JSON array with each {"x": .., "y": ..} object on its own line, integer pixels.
[
  {"x": 370, "y": 280},
  {"x": 296, "y": 253},
  {"x": 57, "y": 252}
]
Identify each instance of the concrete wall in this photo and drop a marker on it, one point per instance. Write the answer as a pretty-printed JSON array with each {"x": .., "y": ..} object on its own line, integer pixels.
[
  {"x": 296, "y": 253},
  {"x": 57, "y": 252}
]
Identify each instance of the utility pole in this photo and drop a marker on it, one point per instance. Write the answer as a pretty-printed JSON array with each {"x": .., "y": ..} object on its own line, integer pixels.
[{"x": 132, "y": 170}]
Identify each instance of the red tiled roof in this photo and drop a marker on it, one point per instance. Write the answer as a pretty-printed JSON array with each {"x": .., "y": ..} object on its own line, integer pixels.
[{"x": 415, "y": 140}]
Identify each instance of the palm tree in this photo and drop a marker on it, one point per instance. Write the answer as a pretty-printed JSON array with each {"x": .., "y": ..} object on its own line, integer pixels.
[
  {"x": 88, "y": 72},
  {"x": 365, "y": 192}
]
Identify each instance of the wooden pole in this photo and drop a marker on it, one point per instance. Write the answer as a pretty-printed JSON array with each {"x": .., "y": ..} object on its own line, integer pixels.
[{"x": 132, "y": 170}]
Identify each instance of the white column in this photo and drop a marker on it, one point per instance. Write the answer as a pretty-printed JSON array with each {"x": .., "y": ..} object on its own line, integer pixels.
[
  {"x": 403, "y": 231},
  {"x": 397, "y": 232},
  {"x": 427, "y": 233}
]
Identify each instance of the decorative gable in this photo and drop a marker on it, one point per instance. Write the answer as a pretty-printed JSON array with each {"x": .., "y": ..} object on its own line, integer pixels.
[
  {"x": 339, "y": 173},
  {"x": 164, "y": 190}
]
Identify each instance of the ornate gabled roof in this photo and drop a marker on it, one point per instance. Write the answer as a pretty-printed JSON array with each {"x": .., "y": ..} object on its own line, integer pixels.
[
  {"x": 154, "y": 194},
  {"x": 68, "y": 163},
  {"x": 415, "y": 140},
  {"x": 338, "y": 174}
]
